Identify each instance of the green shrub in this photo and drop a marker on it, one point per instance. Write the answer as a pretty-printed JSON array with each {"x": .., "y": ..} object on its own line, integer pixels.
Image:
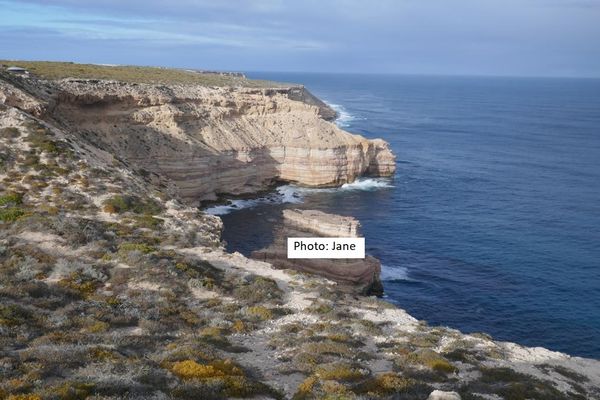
[
  {"x": 463, "y": 355},
  {"x": 11, "y": 214},
  {"x": 141, "y": 247},
  {"x": 190, "y": 369},
  {"x": 81, "y": 284},
  {"x": 259, "y": 290},
  {"x": 39, "y": 138},
  {"x": 427, "y": 340},
  {"x": 147, "y": 221},
  {"x": 260, "y": 312},
  {"x": 24, "y": 397},
  {"x": 13, "y": 315},
  {"x": 202, "y": 270},
  {"x": 120, "y": 204},
  {"x": 97, "y": 327},
  {"x": 329, "y": 347},
  {"x": 339, "y": 372},
  {"x": 13, "y": 199},
  {"x": 432, "y": 360},
  {"x": 74, "y": 390},
  {"x": 103, "y": 354}
]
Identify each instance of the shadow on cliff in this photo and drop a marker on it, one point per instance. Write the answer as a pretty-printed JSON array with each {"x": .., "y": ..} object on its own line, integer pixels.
[{"x": 197, "y": 170}]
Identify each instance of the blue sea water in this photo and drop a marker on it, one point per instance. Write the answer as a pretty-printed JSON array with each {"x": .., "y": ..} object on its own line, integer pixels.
[{"x": 492, "y": 222}]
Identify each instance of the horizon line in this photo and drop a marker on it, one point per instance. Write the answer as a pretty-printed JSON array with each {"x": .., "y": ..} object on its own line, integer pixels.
[{"x": 419, "y": 74}]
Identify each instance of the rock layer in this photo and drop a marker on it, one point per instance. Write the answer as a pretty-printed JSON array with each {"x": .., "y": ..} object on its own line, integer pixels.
[
  {"x": 359, "y": 274},
  {"x": 209, "y": 141},
  {"x": 321, "y": 223}
]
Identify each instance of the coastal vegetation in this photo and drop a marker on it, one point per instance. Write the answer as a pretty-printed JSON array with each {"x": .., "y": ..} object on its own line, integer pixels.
[
  {"x": 121, "y": 204},
  {"x": 112, "y": 287},
  {"x": 135, "y": 74}
]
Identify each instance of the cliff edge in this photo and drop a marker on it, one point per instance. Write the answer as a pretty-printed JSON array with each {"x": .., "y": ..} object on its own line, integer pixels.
[{"x": 205, "y": 141}]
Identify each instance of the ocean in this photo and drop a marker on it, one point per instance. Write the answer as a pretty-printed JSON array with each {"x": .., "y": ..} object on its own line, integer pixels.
[{"x": 492, "y": 221}]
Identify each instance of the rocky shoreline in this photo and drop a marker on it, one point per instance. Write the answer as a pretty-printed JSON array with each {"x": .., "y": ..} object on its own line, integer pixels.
[{"x": 114, "y": 286}]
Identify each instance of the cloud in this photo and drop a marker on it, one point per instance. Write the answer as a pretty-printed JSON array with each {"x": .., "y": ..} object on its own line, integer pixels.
[
  {"x": 543, "y": 37},
  {"x": 154, "y": 25}
]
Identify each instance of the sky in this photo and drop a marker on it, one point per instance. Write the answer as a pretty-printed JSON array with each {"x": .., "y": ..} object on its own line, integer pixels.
[{"x": 441, "y": 37}]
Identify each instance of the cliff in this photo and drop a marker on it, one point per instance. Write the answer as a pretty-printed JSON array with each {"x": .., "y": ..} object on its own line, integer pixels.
[
  {"x": 112, "y": 288},
  {"x": 207, "y": 141}
]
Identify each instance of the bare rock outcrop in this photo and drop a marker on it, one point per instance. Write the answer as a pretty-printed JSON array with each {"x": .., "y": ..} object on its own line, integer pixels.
[
  {"x": 13, "y": 96},
  {"x": 361, "y": 275}
]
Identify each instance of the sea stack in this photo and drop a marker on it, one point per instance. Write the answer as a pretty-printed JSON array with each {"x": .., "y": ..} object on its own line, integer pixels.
[{"x": 360, "y": 275}]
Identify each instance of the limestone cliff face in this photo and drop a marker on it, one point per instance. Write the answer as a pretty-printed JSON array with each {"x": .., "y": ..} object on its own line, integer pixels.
[{"x": 211, "y": 141}]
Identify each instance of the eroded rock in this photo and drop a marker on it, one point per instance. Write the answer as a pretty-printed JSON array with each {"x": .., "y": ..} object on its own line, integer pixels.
[
  {"x": 219, "y": 140},
  {"x": 360, "y": 274}
]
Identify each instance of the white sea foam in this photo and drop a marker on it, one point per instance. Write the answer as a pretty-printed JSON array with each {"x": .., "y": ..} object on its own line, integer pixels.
[
  {"x": 364, "y": 184},
  {"x": 344, "y": 118},
  {"x": 289, "y": 194},
  {"x": 367, "y": 184},
  {"x": 283, "y": 194},
  {"x": 295, "y": 194},
  {"x": 394, "y": 273},
  {"x": 229, "y": 207}
]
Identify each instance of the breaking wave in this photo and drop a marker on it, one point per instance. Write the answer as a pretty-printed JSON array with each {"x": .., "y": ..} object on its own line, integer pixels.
[
  {"x": 295, "y": 194},
  {"x": 344, "y": 118},
  {"x": 283, "y": 194},
  {"x": 367, "y": 184},
  {"x": 363, "y": 184}
]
